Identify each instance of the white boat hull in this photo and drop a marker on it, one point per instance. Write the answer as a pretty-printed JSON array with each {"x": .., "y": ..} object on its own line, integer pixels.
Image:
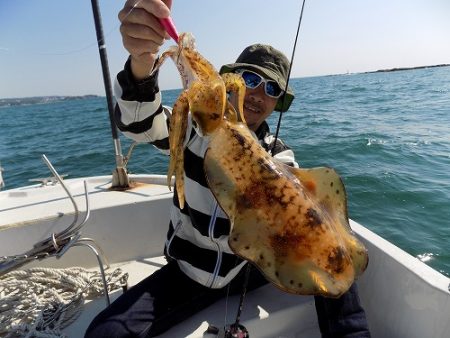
[{"x": 402, "y": 296}]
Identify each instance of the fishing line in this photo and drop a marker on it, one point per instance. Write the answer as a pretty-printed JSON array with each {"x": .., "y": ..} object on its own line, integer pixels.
[
  {"x": 73, "y": 51},
  {"x": 69, "y": 52},
  {"x": 288, "y": 77}
]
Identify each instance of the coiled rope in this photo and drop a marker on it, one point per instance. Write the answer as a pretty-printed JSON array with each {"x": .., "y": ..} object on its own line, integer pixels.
[{"x": 40, "y": 302}]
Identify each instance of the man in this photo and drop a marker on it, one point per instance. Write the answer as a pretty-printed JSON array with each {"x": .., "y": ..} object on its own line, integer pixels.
[{"x": 201, "y": 267}]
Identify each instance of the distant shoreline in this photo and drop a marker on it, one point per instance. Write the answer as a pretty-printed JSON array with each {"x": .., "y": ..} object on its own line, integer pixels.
[
  {"x": 406, "y": 68},
  {"x": 22, "y": 101}
]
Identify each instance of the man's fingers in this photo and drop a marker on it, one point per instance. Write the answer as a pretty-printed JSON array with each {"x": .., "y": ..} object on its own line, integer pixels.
[
  {"x": 156, "y": 7},
  {"x": 168, "y": 3},
  {"x": 139, "y": 46},
  {"x": 141, "y": 32},
  {"x": 147, "y": 22}
]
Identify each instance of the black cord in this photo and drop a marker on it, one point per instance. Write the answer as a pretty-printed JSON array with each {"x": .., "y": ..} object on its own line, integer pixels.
[
  {"x": 288, "y": 77},
  {"x": 236, "y": 329}
]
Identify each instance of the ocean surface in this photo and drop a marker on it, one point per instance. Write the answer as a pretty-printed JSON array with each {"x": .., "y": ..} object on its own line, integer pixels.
[{"x": 386, "y": 133}]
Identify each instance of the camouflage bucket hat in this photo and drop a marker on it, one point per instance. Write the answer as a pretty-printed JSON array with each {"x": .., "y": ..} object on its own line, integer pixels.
[{"x": 270, "y": 63}]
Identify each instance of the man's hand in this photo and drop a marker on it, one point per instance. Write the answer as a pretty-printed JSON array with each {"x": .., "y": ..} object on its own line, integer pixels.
[{"x": 142, "y": 33}]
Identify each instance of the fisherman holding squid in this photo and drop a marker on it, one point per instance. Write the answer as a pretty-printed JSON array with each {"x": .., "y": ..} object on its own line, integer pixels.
[{"x": 201, "y": 268}]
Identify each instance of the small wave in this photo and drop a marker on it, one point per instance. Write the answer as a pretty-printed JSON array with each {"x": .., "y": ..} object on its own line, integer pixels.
[
  {"x": 426, "y": 257},
  {"x": 100, "y": 109},
  {"x": 358, "y": 89},
  {"x": 440, "y": 90},
  {"x": 371, "y": 141},
  {"x": 412, "y": 143},
  {"x": 418, "y": 143}
]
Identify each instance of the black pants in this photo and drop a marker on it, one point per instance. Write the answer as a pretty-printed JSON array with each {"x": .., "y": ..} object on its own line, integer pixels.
[{"x": 168, "y": 297}]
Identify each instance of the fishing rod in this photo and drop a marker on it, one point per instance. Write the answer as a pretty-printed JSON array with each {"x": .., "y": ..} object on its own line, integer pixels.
[
  {"x": 120, "y": 177},
  {"x": 288, "y": 76}
]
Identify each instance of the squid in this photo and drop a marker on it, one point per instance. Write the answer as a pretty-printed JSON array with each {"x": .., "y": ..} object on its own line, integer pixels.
[{"x": 291, "y": 223}]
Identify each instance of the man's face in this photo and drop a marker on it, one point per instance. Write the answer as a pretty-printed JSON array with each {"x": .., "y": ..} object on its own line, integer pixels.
[
  {"x": 261, "y": 97},
  {"x": 257, "y": 106}
]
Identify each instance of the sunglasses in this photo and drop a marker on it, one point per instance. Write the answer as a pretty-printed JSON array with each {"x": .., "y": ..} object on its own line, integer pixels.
[{"x": 253, "y": 80}]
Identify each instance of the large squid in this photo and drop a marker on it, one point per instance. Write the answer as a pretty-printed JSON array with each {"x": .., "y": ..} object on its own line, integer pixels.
[{"x": 291, "y": 223}]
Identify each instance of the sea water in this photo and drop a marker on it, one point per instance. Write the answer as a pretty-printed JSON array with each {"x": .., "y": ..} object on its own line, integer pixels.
[{"x": 386, "y": 133}]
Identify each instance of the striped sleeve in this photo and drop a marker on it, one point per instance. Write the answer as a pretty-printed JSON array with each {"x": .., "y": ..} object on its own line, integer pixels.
[{"x": 139, "y": 114}]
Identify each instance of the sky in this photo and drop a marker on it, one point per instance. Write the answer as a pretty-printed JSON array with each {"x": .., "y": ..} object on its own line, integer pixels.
[{"x": 48, "y": 47}]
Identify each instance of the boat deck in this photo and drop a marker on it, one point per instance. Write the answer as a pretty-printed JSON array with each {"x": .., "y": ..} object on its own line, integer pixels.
[{"x": 259, "y": 313}]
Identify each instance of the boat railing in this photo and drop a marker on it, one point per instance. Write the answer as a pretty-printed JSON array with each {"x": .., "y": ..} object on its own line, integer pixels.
[
  {"x": 51, "y": 180},
  {"x": 57, "y": 244}
]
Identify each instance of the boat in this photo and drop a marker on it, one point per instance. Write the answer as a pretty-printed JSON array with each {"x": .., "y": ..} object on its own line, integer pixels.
[
  {"x": 402, "y": 296},
  {"x": 94, "y": 226}
]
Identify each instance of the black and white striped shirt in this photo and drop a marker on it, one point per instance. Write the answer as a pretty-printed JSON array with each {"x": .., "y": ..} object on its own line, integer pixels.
[{"x": 198, "y": 234}]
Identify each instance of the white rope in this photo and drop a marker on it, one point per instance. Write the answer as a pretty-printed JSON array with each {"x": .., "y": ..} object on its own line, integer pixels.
[{"x": 40, "y": 302}]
